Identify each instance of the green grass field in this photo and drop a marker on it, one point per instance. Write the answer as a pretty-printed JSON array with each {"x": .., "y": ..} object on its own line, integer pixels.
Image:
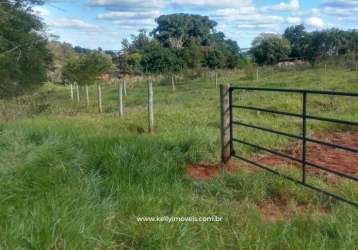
[{"x": 71, "y": 178}]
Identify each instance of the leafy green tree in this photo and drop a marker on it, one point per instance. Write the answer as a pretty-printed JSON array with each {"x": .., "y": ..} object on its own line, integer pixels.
[
  {"x": 159, "y": 59},
  {"x": 139, "y": 43},
  {"x": 316, "y": 48},
  {"x": 178, "y": 30},
  {"x": 179, "y": 41},
  {"x": 214, "y": 58},
  {"x": 192, "y": 55},
  {"x": 24, "y": 56},
  {"x": 299, "y": 40},
  {"x": 70, "y": 70},
  {"x": 232, "y": 54},
  {"x": 132, "y": 53},
  {"x": 130, "y": 62},
  {"x": 86, "y": 69},
  {"x": 270, "y": 48},
  {"x": 98, "y": 64},
  {"x": 61, "y": 52},
  {"x": 352, "y": 42}
]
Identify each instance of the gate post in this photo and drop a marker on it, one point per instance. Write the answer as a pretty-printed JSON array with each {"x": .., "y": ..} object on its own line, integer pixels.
[
  {"x": 225, "y": 123},
  {"x": 150, "y": 107},
  {"x": 120, "y": 88},
  {"x": 71, "y": 89}
]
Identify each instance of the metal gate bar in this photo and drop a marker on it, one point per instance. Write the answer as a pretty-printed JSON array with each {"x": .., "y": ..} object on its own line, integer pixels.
[{"x": 303, "y": 137}]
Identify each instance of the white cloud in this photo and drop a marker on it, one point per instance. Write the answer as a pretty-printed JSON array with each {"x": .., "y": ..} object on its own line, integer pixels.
[
  {"x": 341, "y": 12},
  {"x": 124, "y": 15},
  {"x": 135, "y": 24},
  {"x": 292, "y": 5},
  {"x": 308, "y": 13},
  {"x": 130, "y": 14},
  {"x": 71, "y": 23},
  {"x": 341, "y": 4},
  {"x": 238, "y": 19},
  {"x": 265, "y": 26},
  {"x": 294, "y": 20},
  {"x": 248, "y": 18},
  {"x": 314, "y": 22},
  {"x": 129, "y": 5},
  {"x": 131, "y": 20},
  {"x": 236, "y": 13},
  {"x": 213, "y": 4}
]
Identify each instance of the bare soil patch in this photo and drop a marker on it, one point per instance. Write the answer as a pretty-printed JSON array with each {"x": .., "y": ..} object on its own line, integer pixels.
[
  {"x": 333, "y": 158},
  {"x": 204, "y": 170},
  {"x": 277, "y": 209},
  {"x": 330, "y": 157}
]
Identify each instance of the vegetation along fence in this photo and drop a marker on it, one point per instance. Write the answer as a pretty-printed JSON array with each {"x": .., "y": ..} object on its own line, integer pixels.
[{"x": 228, "y": 123}]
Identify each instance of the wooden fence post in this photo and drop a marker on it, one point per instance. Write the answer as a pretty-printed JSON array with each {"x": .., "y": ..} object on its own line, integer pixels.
[
  {"x": 99, "y": 97},
  {"x": 71, "y": 89},
  {"x": 257, "y": 74},
  {"x": 78, "y": 93},
  {"x": 125, "y": 87},
  {"x": 173, "y": 83},
  {"x": 225, "y": 123},
  {"x": 120, "y": 99},
  {"x": 150, "y": 107},
  {"x": 216, "y": 79},
  {"x": 87, "y": 96}
]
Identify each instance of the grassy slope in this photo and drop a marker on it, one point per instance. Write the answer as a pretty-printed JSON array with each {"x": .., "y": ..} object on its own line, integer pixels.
[{"x": 78, "y": 180}]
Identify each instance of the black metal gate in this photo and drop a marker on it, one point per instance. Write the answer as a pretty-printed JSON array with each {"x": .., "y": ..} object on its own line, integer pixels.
[{"x": 305, "y": 116}]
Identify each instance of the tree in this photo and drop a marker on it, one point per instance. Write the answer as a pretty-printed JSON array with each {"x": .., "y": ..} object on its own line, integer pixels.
[
  {"x": 139, "y": 43},
  {"x": 299, "y": 40},
  {"x": 315, "y": 49},
  {"x": 214, "y": 58},
  {"x": 352, "y": 40},
  {"x": 159, "y": 59},
  {"x": 132, "y": 53},
  {"x": 24, "y": 56},
  {"x": 177, "y": 30},
  {"x": 61, "y": 52},
  {"x": 98, "y": 64},
  {"x": 270, "y": 48},
  {"x": 232, "y": 54},
  {"x": 179, "y": 41},
  {"x": 87, "y": 68},
  {"x": 192, "y": 55},
  {"x": 130, "y": 62}
]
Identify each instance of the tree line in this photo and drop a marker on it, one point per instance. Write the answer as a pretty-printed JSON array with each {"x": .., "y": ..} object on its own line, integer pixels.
[
  {"x": 297, "y": 43},
  {"x": 178, "y": 42}
]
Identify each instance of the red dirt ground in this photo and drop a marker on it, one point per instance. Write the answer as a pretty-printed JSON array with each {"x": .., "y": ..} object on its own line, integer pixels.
[
  {"x": 333, "y": 158},
  {"x": 277, "y": 209},
  {"x": 204, "y": 171}
]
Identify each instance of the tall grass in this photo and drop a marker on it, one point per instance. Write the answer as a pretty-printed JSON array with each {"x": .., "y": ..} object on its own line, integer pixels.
[{"x": 74, "y": 179}]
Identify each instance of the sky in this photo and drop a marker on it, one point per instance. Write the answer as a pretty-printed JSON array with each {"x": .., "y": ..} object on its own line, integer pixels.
[{"x": 104, "y": 23}]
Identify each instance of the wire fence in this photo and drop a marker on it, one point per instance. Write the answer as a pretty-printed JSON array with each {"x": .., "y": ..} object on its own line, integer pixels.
[{"x": 58, "y": 98}]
